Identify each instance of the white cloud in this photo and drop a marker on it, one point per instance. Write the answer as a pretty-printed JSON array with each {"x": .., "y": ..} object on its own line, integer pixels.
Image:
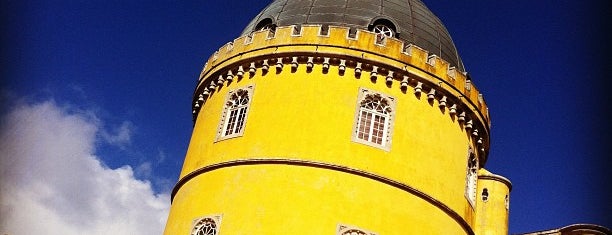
[
  {"x": 144, "y": 170},
  {"x": 51, "y": 181},
  {"x": 121, "y": 136}
]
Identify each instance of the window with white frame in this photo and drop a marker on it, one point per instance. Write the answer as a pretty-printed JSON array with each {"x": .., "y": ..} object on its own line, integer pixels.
[
  {"x": 352, "y": 230},
  {"x": 235, "y": 113},
  {"x": 471, "y": 178},
  {"x": 208, "y": 225},
  {"x": 374, "y": 119}
]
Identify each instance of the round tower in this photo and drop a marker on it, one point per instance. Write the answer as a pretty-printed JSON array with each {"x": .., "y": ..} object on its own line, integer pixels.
[{"x": 334, "y": 117}]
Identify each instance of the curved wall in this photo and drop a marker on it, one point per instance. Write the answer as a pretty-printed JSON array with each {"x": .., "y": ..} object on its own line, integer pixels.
[{"x": 296, "y": 161}]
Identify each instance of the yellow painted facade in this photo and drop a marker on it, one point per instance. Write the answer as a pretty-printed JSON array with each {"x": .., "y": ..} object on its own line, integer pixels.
[
  {"x": 296, "y": 167},
  {"x": 493, "y": 204}
]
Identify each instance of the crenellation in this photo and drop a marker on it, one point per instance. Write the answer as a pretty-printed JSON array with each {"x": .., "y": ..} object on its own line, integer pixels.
[
  {"x": 323, "y": 30},
  {"x": 248, "y": 39},
  {"x": 297, "y": 31},
  {"x": 335, "y": 47},
  {"x": 451, "y": 72},
  {"x": 270, "y": 33},
  {"x": 431, "y": 59}
]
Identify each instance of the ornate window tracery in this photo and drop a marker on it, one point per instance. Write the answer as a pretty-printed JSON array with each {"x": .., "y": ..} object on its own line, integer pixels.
[
  {"x": 374, "y": 119},
  {"x": 471, "y": 178},
  {"x": 352, "y": 230},
  {"x": 266, "y": 24},
  {"x": 235, "y": 113},
  {"x": 383, "y": 30},
  {"x": 205, "y": 226}
]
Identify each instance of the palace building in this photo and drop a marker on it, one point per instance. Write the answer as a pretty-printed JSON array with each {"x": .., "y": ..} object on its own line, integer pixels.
[{"x": 349, "y": 117}]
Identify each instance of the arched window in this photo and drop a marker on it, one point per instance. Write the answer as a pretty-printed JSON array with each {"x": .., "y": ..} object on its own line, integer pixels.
[
  {"x": 383, "y": 29},
  {"x": 352, "y": 230},
  {"x": 235, "y": 113},
  {"x": 374, "y": 119},
  {"x": 205, "y": 226},
  {"x": 237, "y": 105},
  {"x": 485, "y": 195},
  {"x": 471, "y": 178},
  {"x": 265, "y": 24}
]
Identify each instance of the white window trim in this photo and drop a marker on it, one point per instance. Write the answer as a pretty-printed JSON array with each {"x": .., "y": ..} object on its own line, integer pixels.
[
  {"x": 471, "y": 179},
  {"x": 343, "y": 228},
  {"x": 223, "y": 123},
  {"x": 215, "y": 218},
  {"x": 388, "y": 125}
]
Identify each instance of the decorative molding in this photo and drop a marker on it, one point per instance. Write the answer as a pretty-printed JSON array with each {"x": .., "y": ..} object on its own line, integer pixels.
[
  {"x": 352, "y": 230},
  {"x": 390, "y": 119},
  {"x": 328, "y": 166},
  {"x": 471, "y": 178},
  {"x": 441, "y": 95},
  {"x": 498, "y": 178},
  {"x": 447, "y": 74},
  {"x": 206, "y": 225},
  {"x": 424, "y": 70},
  {"x": 223, "y": 122}
]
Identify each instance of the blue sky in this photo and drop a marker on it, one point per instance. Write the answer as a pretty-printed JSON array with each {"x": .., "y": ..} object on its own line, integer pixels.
[{"x": 117, "y": 77}]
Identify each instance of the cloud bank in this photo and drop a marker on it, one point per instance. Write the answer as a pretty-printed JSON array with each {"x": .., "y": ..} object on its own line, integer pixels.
[{"x": 52, "y": 182}]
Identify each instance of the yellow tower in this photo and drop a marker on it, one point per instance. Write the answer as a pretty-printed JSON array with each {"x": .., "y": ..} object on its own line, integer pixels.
[{"x": 341, "y": 118}]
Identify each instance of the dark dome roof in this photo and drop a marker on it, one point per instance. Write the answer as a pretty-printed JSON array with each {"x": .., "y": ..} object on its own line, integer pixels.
[{"x": 413, "y": 21}]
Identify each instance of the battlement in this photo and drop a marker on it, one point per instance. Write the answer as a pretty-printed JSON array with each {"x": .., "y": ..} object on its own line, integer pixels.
[
  {"x": 361, "y": 52},
  {"x": 388, "y": 54}
]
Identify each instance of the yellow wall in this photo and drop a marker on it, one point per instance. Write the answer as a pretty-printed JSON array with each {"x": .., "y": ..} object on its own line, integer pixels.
[
  {"x": 492, "y": 215},
  {"x": 309, "y": 116},
  {"x": 278, "y": 199}
]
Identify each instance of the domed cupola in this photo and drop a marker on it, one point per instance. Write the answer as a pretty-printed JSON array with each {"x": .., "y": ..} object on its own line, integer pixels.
[{"x": 407, "y": 20}]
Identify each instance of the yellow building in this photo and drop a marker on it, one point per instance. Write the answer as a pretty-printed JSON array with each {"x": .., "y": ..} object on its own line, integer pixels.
[{"x": 340, "y": 118}]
